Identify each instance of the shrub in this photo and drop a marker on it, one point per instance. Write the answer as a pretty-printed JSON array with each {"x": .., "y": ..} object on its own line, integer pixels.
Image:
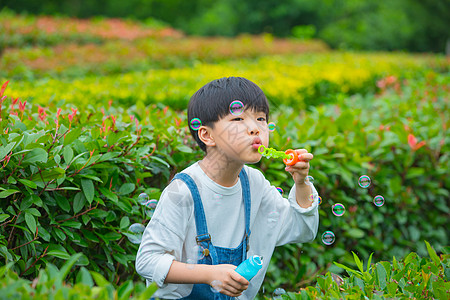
[
  {"x": 50, "y": 284},
  {"x": 412, "y": 277},
  {"x": 70, "y": 180}
]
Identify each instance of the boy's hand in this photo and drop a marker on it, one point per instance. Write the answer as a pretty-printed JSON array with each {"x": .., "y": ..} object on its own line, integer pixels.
[
  {"x": 300, "y": 170},
  {"x": 227, "y": 281}
]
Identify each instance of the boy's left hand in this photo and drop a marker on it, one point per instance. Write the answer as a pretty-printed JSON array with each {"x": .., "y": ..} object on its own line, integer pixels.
[{"x": 300, "y": 170}]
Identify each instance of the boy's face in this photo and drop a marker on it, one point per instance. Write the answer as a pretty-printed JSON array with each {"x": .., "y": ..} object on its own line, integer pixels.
[{"x": 238, "y": 137}]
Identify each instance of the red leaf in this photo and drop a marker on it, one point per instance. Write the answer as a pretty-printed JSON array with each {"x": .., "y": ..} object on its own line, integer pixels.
[
  {"x": 3, "y": 88},
  {"x": 412, "y": 141}
]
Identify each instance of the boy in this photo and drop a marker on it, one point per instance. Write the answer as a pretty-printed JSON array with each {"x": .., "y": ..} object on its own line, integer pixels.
[{"x": 218, "y": 212}]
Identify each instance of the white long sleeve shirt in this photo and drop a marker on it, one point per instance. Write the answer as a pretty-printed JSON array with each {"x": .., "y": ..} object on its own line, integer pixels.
[{"x": 170, "y": 235}]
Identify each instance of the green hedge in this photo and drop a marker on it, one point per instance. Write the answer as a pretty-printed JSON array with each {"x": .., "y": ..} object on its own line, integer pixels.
[{"x": 71, "y": 187}]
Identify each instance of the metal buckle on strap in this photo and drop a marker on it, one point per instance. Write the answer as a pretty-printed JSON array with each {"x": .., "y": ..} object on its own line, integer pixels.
[
  {"x": 247, "y": 242},
  {"x": 198, "y": 236}
]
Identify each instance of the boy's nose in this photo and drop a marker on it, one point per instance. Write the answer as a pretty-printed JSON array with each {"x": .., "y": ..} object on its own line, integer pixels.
[{"x": 253, "y": 129}]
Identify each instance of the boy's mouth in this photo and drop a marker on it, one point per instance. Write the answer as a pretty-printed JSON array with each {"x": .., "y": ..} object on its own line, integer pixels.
[{"x": 256, "y": 143}]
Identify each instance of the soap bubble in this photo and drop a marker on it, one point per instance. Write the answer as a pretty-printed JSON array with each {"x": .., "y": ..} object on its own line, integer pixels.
[
  {"x": 320, "y": 200},
  {"x": 328, "y": 237},
  {"x": 143, "y": 197},
  {"x": 280, "y": 190},
  {"x": 273, "y": 218},
  {"x": 278, "y": 292},
  {"x": 236, "y": 108},
  {"x": 216, "y": 286},
  {"x": 364, "y": 181},
  {"x": 136, "y": 230},
  {"x": 309, "y": 179},
  {"x": 190, "y": 263},
  {"x": 311, "y": 197},
  {"x": 196, "y": 123},
  {"x": 199, "y": 251},
  {"x": 338, "y": 209},
  {"x": 272, "y": 126},
  {"x": 145, "y": 200},
  {"x": 378, "y": 200}
]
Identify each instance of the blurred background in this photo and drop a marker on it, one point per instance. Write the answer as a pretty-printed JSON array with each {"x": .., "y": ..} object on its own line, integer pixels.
[{"x": 406, "y": 25}]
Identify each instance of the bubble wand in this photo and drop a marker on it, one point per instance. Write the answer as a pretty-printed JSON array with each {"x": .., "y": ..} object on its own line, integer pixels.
[{"x": 289, "y": 157}]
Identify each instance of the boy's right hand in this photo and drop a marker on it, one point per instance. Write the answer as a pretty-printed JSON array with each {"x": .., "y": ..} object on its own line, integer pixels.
[{"x": 227, "y": 281}]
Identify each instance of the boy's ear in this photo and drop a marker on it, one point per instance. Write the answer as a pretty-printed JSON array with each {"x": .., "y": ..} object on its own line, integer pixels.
[{"x": 204, "y": 134}]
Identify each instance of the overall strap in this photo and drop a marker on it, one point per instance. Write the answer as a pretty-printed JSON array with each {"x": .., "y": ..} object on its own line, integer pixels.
[
  {"x": 200, "y": 219},
  {"x": 247, "y": 204}
]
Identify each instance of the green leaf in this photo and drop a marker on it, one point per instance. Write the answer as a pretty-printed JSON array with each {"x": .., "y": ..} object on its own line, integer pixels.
[
  {"x": 358, "y": 262},
  {"x": 68, "y": 154},
  {"x": 3, "y": 217},
  {"x": 85, "y": 277},
  {"x": 149, "y": 291},
  {"x": 108, "y": 194},
  {"x": 392, "y": 288},
  {"x": 381, "y": 276},
  {"x": 72, "y": 136},
  {"x": 36, "y": 155},
  {"x": 124, "y": 222},
  {"x": 125, "y": 290},
  {"x": 127, "y": 188},
  {"x": 65, "y": 269},
  {"x": 33, "y": 211},
  {"x": 358, "y": 274},
  {"x": 7, "y": 193},
  {"x": 433, "y": 254},
  {"x": 78, "y": 202},
  {"x": 72, "y": 224},
  {"x": 88, "y": 189},
  {"x": 99, "y": 279},
  {"x": 63, "y": 203},
  {"x": 31, "y": 222},
  {"x": 91, "y": 177},
  {"x": 4, "y": 150},
  {"x": 59, "y": 254},
  {"x": 184, "y": 148},
  {"x": 47, "y": 175},
  {"x": 355, "y": 233},
  {"x": 28, "y": 183},
  {"x": 369, "y": 261}
]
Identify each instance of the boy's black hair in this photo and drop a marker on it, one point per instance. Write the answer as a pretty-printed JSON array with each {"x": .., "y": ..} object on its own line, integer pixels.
[{"x": 212, "y": 101}]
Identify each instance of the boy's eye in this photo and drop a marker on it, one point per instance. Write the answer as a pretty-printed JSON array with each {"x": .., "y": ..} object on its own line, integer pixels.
[
  {"x": 262, "y": 119},
  {"x": 237, "y": 119}
]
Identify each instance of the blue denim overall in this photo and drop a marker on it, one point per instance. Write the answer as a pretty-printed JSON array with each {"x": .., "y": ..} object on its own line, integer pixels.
[{"x": 217, "y": 255}]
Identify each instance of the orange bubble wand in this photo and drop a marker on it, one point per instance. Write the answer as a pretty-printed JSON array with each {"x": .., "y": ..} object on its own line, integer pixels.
[{"x": 289, "y": 157}]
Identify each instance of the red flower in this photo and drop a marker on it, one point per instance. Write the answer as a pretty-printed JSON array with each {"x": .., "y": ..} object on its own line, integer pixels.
[{"x": 412, "y": 141}]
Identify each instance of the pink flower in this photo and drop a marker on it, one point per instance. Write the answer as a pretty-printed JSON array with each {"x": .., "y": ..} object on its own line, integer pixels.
[{"x": 412, "y": 141}]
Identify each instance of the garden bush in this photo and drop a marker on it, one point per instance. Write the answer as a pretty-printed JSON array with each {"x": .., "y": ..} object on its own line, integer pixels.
[
  {"x": 403, "y": 148},
  {"x": 51, "y": 284},
  {"x": 413, "y": 277},
  {"x": 71, "y": 177}
]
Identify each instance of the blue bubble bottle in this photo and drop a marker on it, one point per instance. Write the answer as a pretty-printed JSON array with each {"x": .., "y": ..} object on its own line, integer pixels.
[{"x": 250, "y": 267}]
